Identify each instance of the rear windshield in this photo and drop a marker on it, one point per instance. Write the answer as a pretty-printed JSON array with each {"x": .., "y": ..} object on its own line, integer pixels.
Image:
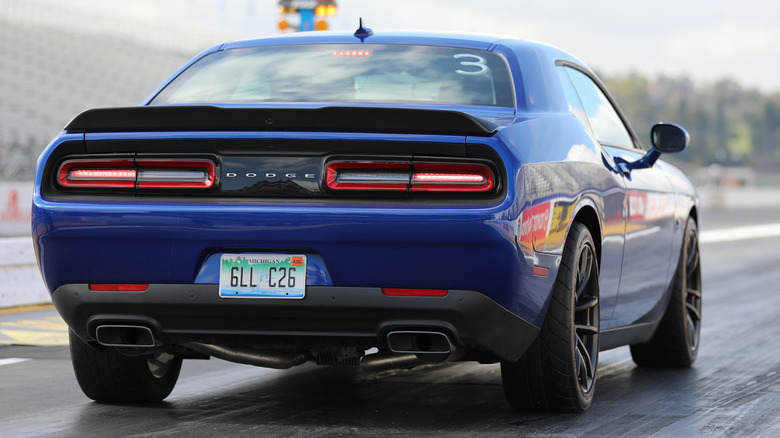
[{"x": 345, "y": 73}]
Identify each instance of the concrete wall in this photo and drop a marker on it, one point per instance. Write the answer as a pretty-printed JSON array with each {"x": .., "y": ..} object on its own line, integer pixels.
[
  {"x": 15, "y": 202},
  {"x": 20, "y": 280}
]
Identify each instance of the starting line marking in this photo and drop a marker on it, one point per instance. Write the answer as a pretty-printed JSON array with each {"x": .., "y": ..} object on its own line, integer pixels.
[
  {"x": 740, "y": 233},
  {"x": 48, "y": 331},
  {"x": 11, "y": 360}
]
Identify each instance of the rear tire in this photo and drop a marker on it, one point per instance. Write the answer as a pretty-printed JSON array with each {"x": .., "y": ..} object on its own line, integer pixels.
[
  {"x": 110, "y": 377},
  {"x": 558, "y": 372},
  {"x": 676, "y": 340}
]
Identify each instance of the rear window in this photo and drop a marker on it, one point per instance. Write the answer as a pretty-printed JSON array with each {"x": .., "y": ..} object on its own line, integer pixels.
[{"x": 345, "y": 73}]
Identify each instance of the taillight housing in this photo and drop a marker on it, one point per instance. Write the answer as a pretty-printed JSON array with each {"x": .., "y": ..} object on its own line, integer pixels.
[
  {"x": 409, "y": 176},
  {"x": 137, "y": 173}
]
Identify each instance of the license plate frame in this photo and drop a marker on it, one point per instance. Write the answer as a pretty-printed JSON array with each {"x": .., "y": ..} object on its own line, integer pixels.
[{"x": 262, "y": 275}]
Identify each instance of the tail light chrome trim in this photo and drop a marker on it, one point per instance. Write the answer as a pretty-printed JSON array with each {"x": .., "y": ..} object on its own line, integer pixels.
[
  {"x": 367, "y": 175},
  {"x": 175, "y": 174}
]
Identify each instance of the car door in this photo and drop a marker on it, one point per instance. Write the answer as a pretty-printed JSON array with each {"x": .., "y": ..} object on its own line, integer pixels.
[{"x": 649, "y": 207}]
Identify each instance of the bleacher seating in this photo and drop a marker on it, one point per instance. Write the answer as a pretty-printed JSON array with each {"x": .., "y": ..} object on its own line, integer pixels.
[{"x": 49, "y": 75}]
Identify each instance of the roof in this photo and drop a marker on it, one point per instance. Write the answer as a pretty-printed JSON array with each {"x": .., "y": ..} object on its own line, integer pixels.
[{"x": 474, "y": 41}]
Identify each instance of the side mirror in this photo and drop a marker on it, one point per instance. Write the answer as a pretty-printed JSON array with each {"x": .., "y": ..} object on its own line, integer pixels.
[
  {"x": 666, "y": 138},
  {"x": 669, "y": 138}
]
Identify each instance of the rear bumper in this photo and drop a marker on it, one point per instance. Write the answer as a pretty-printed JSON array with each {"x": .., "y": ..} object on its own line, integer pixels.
[{"x": 182, "y": 313}]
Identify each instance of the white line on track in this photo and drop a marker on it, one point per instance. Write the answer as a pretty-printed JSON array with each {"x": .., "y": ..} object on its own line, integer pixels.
[
  {"x": 11, "y": 360},
  {"x": 740, "y": 233}
]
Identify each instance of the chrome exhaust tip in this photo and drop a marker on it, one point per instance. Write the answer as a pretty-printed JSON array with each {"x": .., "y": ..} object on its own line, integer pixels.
[
  {"x": 419, "y": 342},
  {"x": 124, "y": 336}
]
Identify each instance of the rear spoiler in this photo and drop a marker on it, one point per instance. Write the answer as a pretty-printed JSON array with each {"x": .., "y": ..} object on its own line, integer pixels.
[{"x": 327, "y": 119}]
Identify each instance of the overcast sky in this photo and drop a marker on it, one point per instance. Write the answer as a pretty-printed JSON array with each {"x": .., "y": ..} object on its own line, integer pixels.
[{"x": 707, "y": 40}]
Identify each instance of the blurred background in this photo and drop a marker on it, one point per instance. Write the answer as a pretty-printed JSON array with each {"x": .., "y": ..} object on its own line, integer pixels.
[{"x": 713, "y": 67}]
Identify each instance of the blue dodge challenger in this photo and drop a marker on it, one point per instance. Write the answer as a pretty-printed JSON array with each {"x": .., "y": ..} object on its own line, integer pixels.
[{"x": 380, "y": 200}]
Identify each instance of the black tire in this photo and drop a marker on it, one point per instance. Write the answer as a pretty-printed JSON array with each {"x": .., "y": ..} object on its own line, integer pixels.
[
  {"x": 675, "y": 342},
  {"x": 558, "y": 372},
  {"x": 110, "y": 377}
]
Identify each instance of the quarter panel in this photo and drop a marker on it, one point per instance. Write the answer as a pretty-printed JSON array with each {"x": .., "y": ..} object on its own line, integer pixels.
[{"x": 564, "y": 170}]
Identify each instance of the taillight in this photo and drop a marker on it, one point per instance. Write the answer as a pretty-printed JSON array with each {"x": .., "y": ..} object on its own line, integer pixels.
[
  {"x": 367, "y": 175},
  {"x": 175, "y": 174},
  {"x": 142, "y": 173},
  {"x": 409, "y": 176},
  {"x": 97, "y": 173},
  {"x": 452, "y": 177}
]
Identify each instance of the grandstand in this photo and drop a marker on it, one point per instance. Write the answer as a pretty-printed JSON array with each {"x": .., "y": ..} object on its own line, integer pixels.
[{"x": 50, "y": 73}]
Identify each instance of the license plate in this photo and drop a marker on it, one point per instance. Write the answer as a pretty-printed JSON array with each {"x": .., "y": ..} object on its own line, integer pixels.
[{"x": 262, "y": 276}]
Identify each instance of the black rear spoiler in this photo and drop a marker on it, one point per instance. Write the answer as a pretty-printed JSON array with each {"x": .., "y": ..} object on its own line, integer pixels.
[{"x": 328, "y": 119}]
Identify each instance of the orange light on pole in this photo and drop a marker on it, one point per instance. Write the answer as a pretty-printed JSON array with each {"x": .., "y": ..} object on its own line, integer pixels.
[{"x": 321, "y": 25}]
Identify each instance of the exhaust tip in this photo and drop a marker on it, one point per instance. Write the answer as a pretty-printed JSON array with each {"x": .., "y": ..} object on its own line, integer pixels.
[
  {"x": 419, "y": 342},
  {"x": 124, "y": 336}
]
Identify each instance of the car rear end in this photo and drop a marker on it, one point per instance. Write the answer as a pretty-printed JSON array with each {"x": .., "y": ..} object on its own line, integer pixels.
[{"x": 318, "y": 230}]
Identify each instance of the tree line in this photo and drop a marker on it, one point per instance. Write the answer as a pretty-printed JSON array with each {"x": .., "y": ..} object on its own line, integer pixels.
[{"x": 729, "y": 124}]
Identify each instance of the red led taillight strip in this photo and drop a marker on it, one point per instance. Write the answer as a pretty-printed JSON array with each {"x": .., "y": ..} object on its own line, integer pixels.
[
  {"x": 142, "y": 173},
  {"x": 451, "y": 177},
  {"x": 97, "y": 173},
  {"x": 405, "y": 176}
]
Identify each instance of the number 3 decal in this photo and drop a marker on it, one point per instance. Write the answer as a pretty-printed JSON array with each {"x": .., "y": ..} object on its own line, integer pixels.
[{"x": 479, "y": 62}]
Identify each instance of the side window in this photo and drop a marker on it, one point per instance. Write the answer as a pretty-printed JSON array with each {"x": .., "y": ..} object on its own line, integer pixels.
[
  {"x": 575, "y": 104},
  {"x": 604, "y": 120}
]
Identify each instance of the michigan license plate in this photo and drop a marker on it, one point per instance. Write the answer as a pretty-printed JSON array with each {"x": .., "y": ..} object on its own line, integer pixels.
[{"x": 262, "y": 276}]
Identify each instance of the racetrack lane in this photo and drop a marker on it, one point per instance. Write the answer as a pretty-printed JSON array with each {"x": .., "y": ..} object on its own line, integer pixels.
[{"x": 733, "y": 389}]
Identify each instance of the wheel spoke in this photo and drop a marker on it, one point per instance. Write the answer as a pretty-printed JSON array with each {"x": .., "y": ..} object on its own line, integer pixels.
[
  {"x": 692, "y": 263},
  {"x": 586, "y": 329},
  {"x": 692, "y": 332},
  {"x": 691, "y": 269},
  {"x": 693, "y": 311},
  {"x": 585, "y": 369},
  {"x": 582, "y": 267},
  {"x": 160, "y": 364},
  {"x": 693, "y": 292},
  {"x": 589, "y": 304},
  {"x": 585, "y": 270}
]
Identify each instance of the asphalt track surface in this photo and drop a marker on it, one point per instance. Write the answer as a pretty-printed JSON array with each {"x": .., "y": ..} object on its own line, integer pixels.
[{"x": 733, "y": 389}]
